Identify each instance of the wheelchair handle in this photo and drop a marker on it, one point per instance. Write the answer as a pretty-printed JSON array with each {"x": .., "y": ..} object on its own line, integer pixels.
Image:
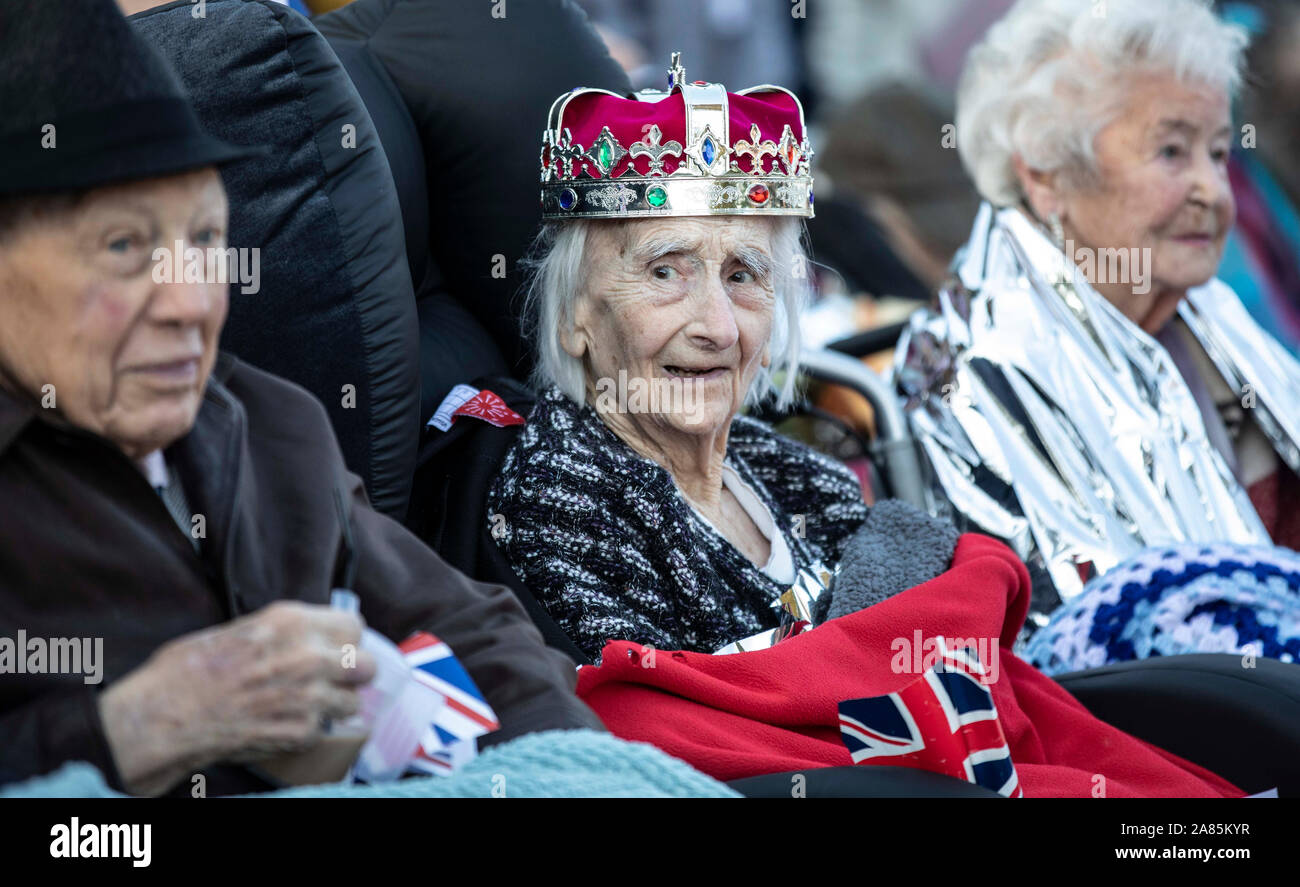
[{"x": 893, "y": 449}]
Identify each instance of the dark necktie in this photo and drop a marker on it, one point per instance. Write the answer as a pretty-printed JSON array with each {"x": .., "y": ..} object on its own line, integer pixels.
[{"x": 173, "y": 496}]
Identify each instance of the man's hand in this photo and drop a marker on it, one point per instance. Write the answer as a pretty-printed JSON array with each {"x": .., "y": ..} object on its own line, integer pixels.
[{"x": 257, "y": 686}]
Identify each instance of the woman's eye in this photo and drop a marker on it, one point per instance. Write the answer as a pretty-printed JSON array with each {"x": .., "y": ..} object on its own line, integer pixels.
[
  {"x": 664, "y": 272},
  {"x": 208, "y": 236},
  {"x": 743, "y": 277},
  {"x": 1220, "y": 155},
  {"x": 1171, "y": 152},
  {"x": 122, "y": 244}
]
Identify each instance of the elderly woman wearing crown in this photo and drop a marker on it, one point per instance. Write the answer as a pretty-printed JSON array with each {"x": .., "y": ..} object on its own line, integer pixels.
[
  {"x": 1086, "y": 387},
  {"x": 669, "y": 279}
]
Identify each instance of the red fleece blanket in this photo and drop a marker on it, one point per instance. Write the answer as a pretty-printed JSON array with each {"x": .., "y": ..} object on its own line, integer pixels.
[{"x": 777, "y": 709}]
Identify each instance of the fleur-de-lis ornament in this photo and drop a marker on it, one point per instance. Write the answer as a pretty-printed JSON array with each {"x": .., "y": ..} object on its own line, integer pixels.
[
  {"x": 650, "y": 147},
  {"x": 754, "y": 149},
  {"x": 566, "y": 154}
]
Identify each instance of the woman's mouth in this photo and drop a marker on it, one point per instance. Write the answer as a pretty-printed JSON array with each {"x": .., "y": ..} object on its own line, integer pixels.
[
  {"x": 704, "y": 373},
  {"x": 1201, "y": 240},
  {"x": 171, "y": 374}
]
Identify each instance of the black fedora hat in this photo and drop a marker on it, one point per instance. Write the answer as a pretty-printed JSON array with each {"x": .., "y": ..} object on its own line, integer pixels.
[{"x": 86, "y": 102}]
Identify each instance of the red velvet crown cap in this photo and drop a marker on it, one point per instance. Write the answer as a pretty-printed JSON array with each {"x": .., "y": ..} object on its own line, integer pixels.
[{"x": 630, "y": 120}]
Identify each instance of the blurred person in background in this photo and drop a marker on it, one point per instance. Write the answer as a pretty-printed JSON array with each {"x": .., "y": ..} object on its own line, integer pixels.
[
  {"x": 890, "y": 151},
  {"x": 894, "y": 204},
  {"x": 856, "y": 46},
  {"x": 736, "y": 41},
  {"x": 1273, "y": 101},
  {"x": 1261, "y": 260}
]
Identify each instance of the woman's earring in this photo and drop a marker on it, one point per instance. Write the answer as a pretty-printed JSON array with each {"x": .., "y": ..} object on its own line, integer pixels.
[
  {"x": 1058, "y": 237},
  {"x": 1063, "y": 281},
  {"x": 1058, "y": 231}
]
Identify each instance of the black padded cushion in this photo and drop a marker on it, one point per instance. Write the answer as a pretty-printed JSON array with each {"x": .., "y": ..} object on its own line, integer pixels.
[
  {"x": 1241, "y": 722},
  {"x": 478, "y": 89},
  {"x": 401, "y": 143},
  {"x": 454, "y": 346},
  {"x": 859, "y": 782},
  {"x": 336, "y": 306}
]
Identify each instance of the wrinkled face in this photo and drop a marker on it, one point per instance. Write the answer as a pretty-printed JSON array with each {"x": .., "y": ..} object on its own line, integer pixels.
[
  {"x": 681, "y": 302},
  {"x": 128, "y": 358},
  {"x": 1163, "y": 187}
]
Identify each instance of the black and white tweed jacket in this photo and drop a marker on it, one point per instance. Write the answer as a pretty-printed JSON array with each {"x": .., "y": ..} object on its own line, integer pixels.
[{"x": 613, "y": 551}]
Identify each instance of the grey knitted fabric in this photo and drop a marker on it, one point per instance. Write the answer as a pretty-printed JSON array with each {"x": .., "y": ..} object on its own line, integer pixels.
[{"x": 898, "y": 547}]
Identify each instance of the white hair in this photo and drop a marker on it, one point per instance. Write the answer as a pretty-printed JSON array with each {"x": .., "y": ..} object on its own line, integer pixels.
[
  {"x": 1051, "y": 74},
  {"x": 558, "y": 274}
]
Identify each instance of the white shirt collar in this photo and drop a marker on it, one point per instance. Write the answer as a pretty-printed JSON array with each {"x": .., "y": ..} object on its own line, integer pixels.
[
  {"x": 780, "y": 561},
  {"x": 154, "y": 467}
]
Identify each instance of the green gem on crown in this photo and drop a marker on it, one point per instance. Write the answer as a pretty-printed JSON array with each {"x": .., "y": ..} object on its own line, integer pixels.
[
  {"x": 656, "y": 196},
  {"x": 605, "y": 155}
]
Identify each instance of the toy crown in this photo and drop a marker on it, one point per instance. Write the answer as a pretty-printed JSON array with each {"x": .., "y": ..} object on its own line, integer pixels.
[{"x": 672, "y": 153}]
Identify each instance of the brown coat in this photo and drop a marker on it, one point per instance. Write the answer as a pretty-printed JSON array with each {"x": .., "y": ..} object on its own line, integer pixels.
[{"x": 88, "y": 549}]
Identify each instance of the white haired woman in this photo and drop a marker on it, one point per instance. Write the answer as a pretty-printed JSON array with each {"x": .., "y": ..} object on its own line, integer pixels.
[
  {"x": 1087, "y": 388},
  {"x": 637, "y": 504}
]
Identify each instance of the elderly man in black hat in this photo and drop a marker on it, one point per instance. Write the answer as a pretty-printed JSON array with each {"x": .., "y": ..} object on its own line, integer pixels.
[{"x": 120, "y": 421}]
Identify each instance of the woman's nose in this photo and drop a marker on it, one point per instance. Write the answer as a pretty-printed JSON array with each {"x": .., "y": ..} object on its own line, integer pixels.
[
  {"x": 1210, "y": 185},
  {"x": 714, "y": 325}
]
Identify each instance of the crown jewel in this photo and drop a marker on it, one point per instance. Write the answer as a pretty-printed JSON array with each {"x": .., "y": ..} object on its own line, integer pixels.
[{"x": 694, "y": 150}]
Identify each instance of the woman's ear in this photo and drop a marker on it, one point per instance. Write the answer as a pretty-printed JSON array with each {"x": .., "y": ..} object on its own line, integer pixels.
[
  {"x": 574, "y": 343},
  {"x": 573, "y": 336},
  {"x": 1041, "y": 189},
  {"x": 767, "y": 355}
]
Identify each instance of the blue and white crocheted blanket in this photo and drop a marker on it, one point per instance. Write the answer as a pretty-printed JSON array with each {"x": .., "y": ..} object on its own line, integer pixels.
[{"x": 1192, "y": 598}]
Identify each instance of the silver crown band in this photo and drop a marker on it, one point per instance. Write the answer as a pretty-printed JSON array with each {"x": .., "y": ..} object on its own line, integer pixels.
[{"x": 631, "y": 197}]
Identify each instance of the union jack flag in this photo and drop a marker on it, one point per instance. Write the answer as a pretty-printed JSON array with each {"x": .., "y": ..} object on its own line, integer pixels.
[
  {"x": 944, "y": 721},
  {"x": 465, "y": 714}
]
